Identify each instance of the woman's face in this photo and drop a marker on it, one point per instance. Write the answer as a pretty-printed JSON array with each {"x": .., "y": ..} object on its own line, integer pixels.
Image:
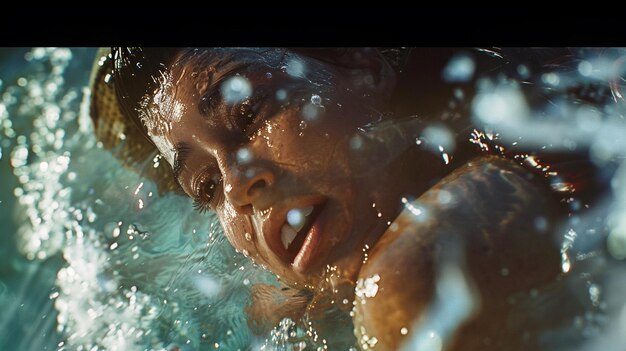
[{"x": 270, "y": 141}]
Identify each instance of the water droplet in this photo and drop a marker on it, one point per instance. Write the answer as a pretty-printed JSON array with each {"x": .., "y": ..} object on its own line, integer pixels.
[
  {"x": 551, "y": 78},
  {"x": 367, "y": 287},
  {"x": 356, "y": 142},
  {"x": 244, "y": 156},
  {"x": 268, "y": 75},
  {"x": 316, "y": 100},
  {"x": 281, "y": 94},
  {"x": 404, "y": 331},
  {"x": 429, "y": 341},
  {"x": 309, "y": 112},
  {"x": 446, "y": 158},
  {"x": 523, "y": 71},
  {"x": 616, "y": 242},
  {"x": 458, "y": 94},
  {"x": 207, "y": 285},
  {"x": 460, "y": 69},
  {"x": 585, "y": 68},
  {"x": 295, "y": 218},
  {"x": 566, "y": 264},
  {"x": 295, "y": 68},
  {"x": 502, "y": 104},
  {"x": 594, "y": 294},
  {"x": 302, "y": 125},
  {"x": 439, "y": 136},
  {"x": 444, "y": 197},
  {"x": 138, "y": 188},
  {"x": 417, "y": 211},
  {"x": 248, "y": 236},
  {"x": 236, "y": 89}
]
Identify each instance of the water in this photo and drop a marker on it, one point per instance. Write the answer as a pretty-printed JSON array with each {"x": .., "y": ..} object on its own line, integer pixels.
[{"x": 95, "y": 258}]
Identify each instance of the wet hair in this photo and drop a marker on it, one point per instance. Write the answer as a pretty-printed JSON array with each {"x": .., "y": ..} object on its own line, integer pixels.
[{"x": 135, "y": 74}]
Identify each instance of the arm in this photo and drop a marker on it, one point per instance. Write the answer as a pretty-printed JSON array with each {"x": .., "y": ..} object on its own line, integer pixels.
[{"x": 491, "y": 207}]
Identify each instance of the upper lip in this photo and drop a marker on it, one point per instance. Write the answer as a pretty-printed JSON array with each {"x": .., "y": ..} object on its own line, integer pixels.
[{"x": 278, "y": 217}]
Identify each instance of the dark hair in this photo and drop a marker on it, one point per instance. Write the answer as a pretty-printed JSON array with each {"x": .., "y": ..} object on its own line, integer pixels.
[{"x": 135, "y": 73}]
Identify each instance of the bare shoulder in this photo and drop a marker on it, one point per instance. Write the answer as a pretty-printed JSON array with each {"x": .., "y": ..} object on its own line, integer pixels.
[{"x": 499, "y": 216}]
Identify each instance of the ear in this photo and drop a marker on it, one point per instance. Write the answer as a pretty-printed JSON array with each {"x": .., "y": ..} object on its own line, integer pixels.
[{"x": 370, "y": 72}]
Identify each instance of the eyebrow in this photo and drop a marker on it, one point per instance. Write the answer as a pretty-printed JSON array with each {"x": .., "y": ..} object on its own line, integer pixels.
[
  {"x": 213, "y": 92},
  {"x": 181, "y": 153}
]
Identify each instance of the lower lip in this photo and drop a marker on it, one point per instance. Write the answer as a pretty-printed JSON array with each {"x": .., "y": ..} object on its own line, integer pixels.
[{"x": 309, "y": 250}]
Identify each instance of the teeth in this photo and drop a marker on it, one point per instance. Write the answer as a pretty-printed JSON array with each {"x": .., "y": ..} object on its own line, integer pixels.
[
  {"x": 306, "y": 210},
  {"x": 287, "y": 234},
  {"x": 296, "y": 217}
]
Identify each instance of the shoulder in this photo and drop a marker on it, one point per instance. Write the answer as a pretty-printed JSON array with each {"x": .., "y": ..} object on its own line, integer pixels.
[{"x": 488, "y": 217}]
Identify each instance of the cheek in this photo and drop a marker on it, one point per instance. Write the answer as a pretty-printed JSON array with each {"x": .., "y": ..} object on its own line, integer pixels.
[{"x": 235, "y": 227}]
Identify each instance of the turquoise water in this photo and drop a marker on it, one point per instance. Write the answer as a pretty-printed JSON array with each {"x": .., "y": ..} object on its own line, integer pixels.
[{"x": 94, "y": 258}]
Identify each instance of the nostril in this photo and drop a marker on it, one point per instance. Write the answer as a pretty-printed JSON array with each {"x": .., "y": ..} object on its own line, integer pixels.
[{"x": 258, "y": 185}]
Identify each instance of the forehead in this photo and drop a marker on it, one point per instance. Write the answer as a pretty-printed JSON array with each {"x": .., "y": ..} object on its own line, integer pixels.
[
  {"x": 194, "y": 73},
  {"x": 211, "y": 66},
  {"x": 197, "y": 73}
]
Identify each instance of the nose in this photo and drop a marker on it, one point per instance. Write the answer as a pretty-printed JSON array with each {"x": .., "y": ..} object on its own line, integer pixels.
[{"x": 248, "y": 186}]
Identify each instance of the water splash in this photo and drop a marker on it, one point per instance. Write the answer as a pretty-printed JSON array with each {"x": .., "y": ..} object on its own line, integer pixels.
[{"x": 456, "y": 299}]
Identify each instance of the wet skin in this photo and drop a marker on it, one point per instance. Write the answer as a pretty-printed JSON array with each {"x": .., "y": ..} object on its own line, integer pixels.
[
  {"x": 255, "y": 160},
  {"x": 492, "y": 213}
]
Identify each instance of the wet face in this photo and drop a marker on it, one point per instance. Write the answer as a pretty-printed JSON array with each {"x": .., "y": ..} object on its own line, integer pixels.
[{"x": 270, "y": 141}]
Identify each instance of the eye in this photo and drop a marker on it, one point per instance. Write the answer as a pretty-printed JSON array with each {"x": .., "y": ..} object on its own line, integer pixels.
[
  {"x": 204, "y": 191},
  {"x": 248, "y": 114}
]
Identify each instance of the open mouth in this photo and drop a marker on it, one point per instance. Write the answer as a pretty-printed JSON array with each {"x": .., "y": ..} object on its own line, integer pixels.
[{"x": 299, "y": 234}]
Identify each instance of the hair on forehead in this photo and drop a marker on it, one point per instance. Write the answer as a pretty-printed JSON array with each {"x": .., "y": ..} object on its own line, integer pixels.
[{"x": 218, "y": 58}]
